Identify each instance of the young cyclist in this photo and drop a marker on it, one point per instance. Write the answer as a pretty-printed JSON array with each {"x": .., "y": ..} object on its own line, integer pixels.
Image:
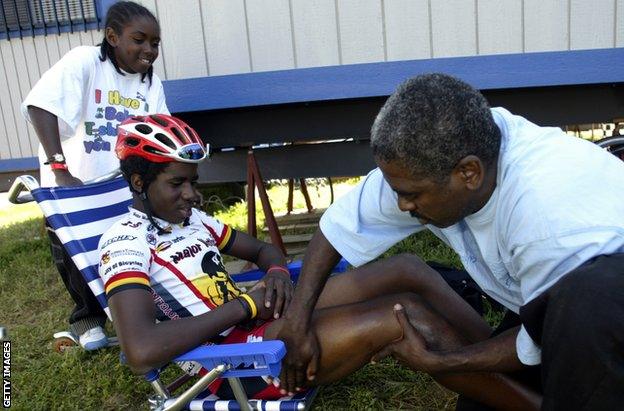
[
  {"x": 75, "y": 108},
  {"x": 162, "y": 261}
]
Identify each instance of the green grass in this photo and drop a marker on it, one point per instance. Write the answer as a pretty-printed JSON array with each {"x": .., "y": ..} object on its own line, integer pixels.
[{"x": 34, "y": 304}]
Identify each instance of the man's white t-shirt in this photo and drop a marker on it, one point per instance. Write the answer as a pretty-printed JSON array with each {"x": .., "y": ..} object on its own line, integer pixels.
[
  {"x": 558, "y": 202},
  {"x": 90, "y": 98}
]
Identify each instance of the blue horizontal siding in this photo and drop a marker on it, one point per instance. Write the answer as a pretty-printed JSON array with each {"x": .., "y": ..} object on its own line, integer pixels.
[
  {"x": 19, "y": 164},
  {"x": 380, "y": 79}
]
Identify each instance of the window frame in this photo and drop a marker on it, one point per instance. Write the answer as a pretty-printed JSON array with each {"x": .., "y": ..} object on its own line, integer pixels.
[{"x": 101, "y": 7}]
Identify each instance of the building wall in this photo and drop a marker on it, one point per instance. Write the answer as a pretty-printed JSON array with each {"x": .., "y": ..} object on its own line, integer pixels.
[{"x": 219, "y": 37}]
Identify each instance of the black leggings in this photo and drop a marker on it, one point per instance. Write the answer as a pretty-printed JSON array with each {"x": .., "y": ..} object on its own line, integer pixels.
[{"x": 87, "y": 310}]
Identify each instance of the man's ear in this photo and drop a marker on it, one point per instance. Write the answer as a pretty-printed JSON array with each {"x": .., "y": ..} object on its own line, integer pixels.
[
  {"x": 137, "y": 183},
  {"x": 471, "y": 172},
  {"x": 111, "y": 36}
]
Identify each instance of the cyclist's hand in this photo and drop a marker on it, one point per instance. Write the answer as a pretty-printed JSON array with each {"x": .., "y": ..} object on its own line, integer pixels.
[
  {"x": 257, "y": 294},
  {"x": 278, "y": 291}
]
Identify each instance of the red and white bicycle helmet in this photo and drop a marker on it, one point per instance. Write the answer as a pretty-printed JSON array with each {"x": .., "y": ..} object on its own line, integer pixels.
[{"x": 159, "y": 138}]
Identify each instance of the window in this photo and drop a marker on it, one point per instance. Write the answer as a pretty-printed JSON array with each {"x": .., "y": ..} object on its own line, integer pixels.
[{"x": 32, "y": 17}]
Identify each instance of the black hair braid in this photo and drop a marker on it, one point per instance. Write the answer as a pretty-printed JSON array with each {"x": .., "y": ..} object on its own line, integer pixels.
[{"x": 118, "y": 16}]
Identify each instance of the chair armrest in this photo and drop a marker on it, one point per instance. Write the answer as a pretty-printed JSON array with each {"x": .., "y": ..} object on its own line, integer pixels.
[{"x": 258, "y": 358}]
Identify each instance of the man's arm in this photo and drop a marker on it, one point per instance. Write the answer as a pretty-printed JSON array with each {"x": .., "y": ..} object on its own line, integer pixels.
[
  {"x": 46, "y": 127},
  {"x": 301, "y": 361}
]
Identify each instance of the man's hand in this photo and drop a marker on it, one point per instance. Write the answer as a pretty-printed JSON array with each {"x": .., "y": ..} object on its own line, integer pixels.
[
  {"x": 278, "y": 290},
  {"x": 302, "y": 356},
  {"x": 65, "y": 179},
  {"x": 411, "y": 348}
]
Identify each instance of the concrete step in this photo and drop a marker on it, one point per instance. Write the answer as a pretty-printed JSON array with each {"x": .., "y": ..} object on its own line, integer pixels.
[
  {"x": 296, "y": 239},
  {"x": 300, "y": 217},
  {"x": 294, "y": 226}
]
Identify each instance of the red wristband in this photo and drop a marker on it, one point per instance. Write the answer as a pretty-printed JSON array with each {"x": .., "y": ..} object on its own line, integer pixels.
[
  {"x": 58, "y": 166},
  {"x": 279, "y": 268}
]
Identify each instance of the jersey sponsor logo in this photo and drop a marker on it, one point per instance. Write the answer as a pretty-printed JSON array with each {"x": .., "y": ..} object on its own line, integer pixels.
[
  {"x": 120, "y": 264},
  {"x": 132, "y": 224},
  {"x": 162, "y": 246},
  {"x": 178, "y": 239},
  {"x": 189, "y": 251},
  {"x": 116, "y": 239},
  {"x": 215, "y": 283},
  {"x": 208, "y": 242},
  {"x": 150, "y": 238},
  {"x": 105, "y": 258},
  {"x": 142, "y": 217},
  {"x": 164, "y": 307}
]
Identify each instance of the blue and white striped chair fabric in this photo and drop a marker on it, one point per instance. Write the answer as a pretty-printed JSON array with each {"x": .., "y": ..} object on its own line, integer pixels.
[
  {"x": 80, "y": 215},
  {"x": 213, "y": 403}
]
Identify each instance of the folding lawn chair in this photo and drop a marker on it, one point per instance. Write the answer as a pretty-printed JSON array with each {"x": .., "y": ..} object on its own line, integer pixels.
[{"x": 79, "y": 216}]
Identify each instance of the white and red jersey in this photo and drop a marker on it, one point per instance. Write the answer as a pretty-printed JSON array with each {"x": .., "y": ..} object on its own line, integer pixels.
[{"x": 182, "y": 268}]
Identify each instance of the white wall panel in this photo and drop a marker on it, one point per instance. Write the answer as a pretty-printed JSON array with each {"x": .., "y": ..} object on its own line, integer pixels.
[
  {"x": 63, "y": 44},
  {"x": 360, "y": 25},
  {"x": 546, "y": 25},
  {"x": 52, "y": 49},
  {"x": 454, "y": 31},
  {"x": 27, "y": 44},
  {"x": 499, "y": 26},
  {"x": 182, "y": 38},
  {"x": 19, "y": 145},
  {"x": 41, "y": 46},
  {"x": 315, "y": 33},
  {"x": 28, "y": 141},
  {"x": 75, "y": 39},
  {"x": 4, "y": 142},
  {"x": 225, "y": 31},
  {"x": 159, "y": 65},
  {"x": 619, "y": 24},
  {"x": 408, "y": 31},
  {"x": 6, "y": 115},
  {"x": 591, "y": 24},
  {"x": 270, "y": 35}
]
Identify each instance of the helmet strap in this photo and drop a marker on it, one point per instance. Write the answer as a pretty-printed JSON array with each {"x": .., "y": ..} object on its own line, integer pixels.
[{"x": 148, "y": 211}]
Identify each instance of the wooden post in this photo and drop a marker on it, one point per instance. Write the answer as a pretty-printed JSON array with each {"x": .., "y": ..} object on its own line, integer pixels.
[
  {"x": 291, "y": 189},
  {"x": 306, "y": 196},
  {"x": 254, "y": 179}
]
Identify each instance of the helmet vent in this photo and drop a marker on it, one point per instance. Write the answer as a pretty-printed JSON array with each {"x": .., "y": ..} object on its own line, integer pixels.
[
  {"x": 143, "y": 128},
  {"x": 132, "y": 142},
  {"x": 152, "y": 150},
  {"x": 159, "y": 120},
  {"x": 178, "y": 134},
  {"x": 165, "y": 140},
  {"x": 189, "y": 131}
]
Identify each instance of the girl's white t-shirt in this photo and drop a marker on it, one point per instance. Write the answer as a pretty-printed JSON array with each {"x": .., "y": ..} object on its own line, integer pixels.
[{"x": 90, "y": 98}]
